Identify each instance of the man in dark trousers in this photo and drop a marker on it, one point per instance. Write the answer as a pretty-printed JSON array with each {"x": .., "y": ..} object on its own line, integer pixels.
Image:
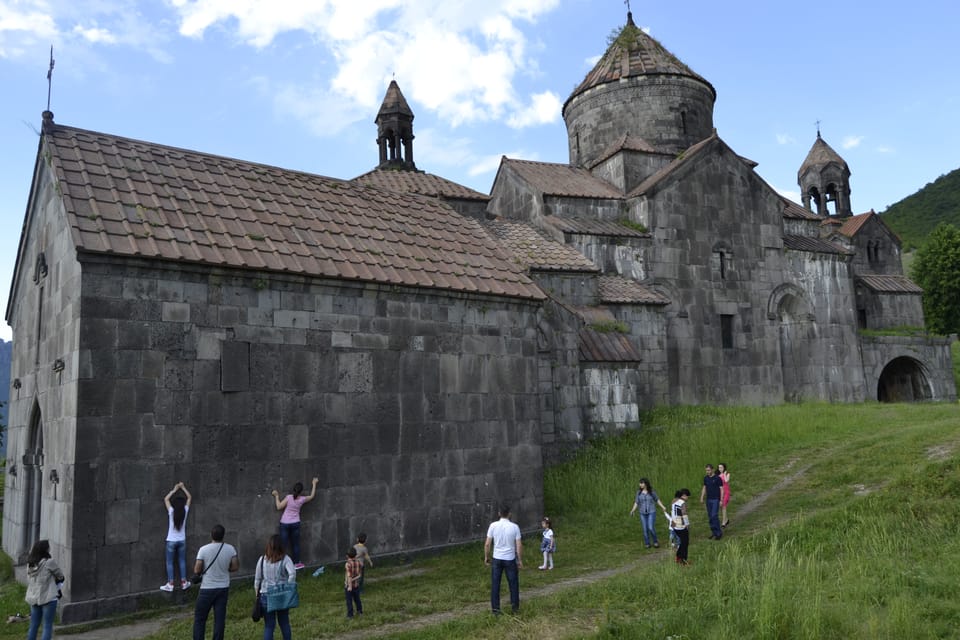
[
  {"x": 503, "y": 540},
  {"x": 713, "y": 492},
  {"x": 215, "y": 562}
]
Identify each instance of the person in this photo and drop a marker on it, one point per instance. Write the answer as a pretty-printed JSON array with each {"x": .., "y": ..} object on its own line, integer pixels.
[
  {"x": 647, "y": 501},
  {"x": 216, "y": 560},
  {"x": 274, "y": 567},
  {"x": 680, "y": 525},
  {"x": 548, "y": 545},
  {"x": 724, "y": 473},
  {"x": 177, "y": 510},
  {"x": 363, "y": 555},
  {"x": 353, "y": 569},
  {"x": 712, "y": 490},
  {"x": 44, "y": 578},
  {"x": 290, "y": 519},
  {"x": 503, "y": 539}
]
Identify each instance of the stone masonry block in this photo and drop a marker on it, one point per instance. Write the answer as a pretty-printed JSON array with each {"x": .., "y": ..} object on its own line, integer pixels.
[{"x": 122, "y": 521}]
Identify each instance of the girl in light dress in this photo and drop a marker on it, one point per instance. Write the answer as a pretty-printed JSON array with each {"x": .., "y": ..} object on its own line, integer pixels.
[{"x": 548, "y": 545}]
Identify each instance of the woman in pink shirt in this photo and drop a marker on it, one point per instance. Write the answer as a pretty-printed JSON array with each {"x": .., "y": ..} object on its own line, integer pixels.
[{"x": 290, "y": 520}]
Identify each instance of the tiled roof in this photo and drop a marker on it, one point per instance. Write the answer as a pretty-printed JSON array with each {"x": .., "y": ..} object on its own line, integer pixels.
[
  {"x": 131, "y": 198},
  {"x": 797, "y": 212},
  {"x": 852, "y": 225},
  {"x": 668, "y": 170},
  {"x": 606, "y": 346},
  {"x": 626, "y": 142},
  {"x": 634, "y": 53},
  {"x": 820, "y": 155},
  {"x": 561, "y": 179},
  {"x": 889, "y": 284},
  {"x": 418, "y": 182},
  {"x": 536, "y": 252},
  {"x": 815, "y": 245},
  {"x": 593, "y": 227},
  {"x": 620, "y": 290}
]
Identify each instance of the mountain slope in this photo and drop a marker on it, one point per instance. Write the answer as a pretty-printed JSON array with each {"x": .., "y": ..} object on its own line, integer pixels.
[{"x": 914, "y": 217}]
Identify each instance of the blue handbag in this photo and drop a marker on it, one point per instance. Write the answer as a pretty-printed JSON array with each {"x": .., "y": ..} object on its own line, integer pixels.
[{"x": 283, "y": 595}]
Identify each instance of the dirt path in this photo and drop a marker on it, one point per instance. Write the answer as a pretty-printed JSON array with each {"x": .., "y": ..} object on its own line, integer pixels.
[{"x": 143, "y": 629}]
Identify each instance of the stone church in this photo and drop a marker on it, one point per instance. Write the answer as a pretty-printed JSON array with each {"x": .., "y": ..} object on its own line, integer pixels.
[{"x": 423, "y": 348}]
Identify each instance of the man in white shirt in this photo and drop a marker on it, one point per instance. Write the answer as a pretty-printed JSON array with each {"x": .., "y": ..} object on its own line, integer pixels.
[
  {"x": 503, "y": 539},
  {"x": 216, "y": 561}
]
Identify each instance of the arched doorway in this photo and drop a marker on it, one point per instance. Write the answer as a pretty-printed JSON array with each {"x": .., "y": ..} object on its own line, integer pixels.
[
  {"x": 33, "y": 481},
  {"x": 789, "y": 306},
  {"x": 903, "y": 380}
]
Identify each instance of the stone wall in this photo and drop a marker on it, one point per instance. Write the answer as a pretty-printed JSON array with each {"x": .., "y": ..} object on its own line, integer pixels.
[
  {"x": 889, "y": 310},
  {"x": 669, "y": 112},
  {"x": 417, "y": 412},
  {"x": 924, "y": 361},
  {"x": 44, "y": 313}
]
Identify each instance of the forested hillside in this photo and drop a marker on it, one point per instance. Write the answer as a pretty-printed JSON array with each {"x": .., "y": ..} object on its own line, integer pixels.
[{"x": 914, "y": 217}]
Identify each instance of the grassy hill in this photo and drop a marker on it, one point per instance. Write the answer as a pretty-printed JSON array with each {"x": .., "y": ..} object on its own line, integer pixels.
[
  {"x": 914, "y": 217},
  {"x": 843, "y": 526}
]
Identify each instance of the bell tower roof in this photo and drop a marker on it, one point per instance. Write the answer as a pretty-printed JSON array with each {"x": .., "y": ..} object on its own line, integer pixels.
[
  {"x": 394, "y": 103},
  {"x": 821, "y": 154},
  {"x": 635, "y": 53}
]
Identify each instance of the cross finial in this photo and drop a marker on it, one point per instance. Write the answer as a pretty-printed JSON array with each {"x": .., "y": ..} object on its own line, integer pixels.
[
  {"x": 818, "y": 128},
  {"x": 50, "y": 78},
  {"x": 627, "y": 2}
]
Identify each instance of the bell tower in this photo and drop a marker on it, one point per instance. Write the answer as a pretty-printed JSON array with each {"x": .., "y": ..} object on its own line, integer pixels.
[
  {"x": 824, "y": 180},
  {"x": 395, "y": 130}
]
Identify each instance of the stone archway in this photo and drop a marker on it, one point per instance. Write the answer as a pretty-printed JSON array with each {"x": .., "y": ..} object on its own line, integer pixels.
[
  {"x": 789, "y": 306},
  {"x": 904, "y": 380},
  {"x": 33, "y": 482}
]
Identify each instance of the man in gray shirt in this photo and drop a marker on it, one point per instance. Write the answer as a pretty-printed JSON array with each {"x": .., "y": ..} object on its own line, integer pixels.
[{"x": 215, "y": 561}]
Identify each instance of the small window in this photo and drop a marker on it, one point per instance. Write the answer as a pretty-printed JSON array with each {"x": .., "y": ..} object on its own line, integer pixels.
[
  {"x": 726, "y": 331},
  {"x": 683, "y": 121},
  {"x": 861, "y": 318}
]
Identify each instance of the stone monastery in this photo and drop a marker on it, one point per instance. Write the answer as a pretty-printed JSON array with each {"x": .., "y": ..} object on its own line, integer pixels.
[{"x": 423, "y": 348}]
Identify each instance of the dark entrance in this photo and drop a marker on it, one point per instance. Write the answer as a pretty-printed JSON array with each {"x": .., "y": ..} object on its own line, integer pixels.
[
  {"x": 903, "y": 380},
  {"x": 33, "y": 482}
]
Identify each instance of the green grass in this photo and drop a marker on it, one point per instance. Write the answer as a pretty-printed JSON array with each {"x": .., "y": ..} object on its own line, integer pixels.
[{"x": 860, "y": 544}]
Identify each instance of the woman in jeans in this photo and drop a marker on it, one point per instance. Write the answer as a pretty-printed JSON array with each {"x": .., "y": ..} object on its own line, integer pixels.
[
  {"x": 177, "y": 509},
  {"x": 290, "y": 520},
  {"x": 274, "y": 567},
  {"x": 43, "y": 589},
  {"x": 647, "y": 502}
]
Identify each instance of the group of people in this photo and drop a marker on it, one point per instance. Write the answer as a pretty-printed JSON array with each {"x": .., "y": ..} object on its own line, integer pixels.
[
  {"x": 714, "y": 494},
  {"x": 279, "y": 564}
]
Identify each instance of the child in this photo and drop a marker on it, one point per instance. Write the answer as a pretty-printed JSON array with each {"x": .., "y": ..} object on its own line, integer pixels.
[
  {"x": 362, "y": 554},
  {"x": 680, "y": 523},
  {"x": 548, "y": 545},
  {"x": 351, "y": 583}
]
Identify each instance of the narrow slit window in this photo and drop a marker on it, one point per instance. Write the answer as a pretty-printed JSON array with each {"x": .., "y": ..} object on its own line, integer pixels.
[{"x": 726, "y": 331}]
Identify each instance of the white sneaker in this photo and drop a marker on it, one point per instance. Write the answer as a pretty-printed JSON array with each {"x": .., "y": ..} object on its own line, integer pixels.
[
  {"x": 167, "y": 587},
  {"x": 184, "y": 584}
]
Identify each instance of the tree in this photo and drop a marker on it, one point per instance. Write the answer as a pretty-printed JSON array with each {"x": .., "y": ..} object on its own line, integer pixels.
[{"x": 936, "y": 268}]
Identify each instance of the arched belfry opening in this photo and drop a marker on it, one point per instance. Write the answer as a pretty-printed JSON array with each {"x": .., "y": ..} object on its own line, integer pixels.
[
  {"x": 904, "y": 380},
  {"x": 824, "y": 180},
  {"x": 32, "y": 481},
  {"x": 395, "y": 130}
]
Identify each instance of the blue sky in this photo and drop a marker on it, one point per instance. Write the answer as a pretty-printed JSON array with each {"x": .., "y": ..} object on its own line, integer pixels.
[{"x": 297, "y": 84}]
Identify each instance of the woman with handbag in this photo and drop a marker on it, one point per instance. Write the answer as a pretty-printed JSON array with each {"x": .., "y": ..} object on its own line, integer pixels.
[
  {"x": 43, "y": 589},
  {"x": 274, "y": 569}
]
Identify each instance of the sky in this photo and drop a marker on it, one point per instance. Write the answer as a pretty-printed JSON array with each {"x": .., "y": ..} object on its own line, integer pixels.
[{"x": 297, "y": 84}]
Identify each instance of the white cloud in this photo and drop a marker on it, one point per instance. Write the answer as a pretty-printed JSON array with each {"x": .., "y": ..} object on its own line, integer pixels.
[
  {"x": 851, "y": 142},
  {"x": 24, "y": 26},
  {"x": 784, "y": 138},
  {"x": 544, "y": 108},
  {"x": 592, "y": 61},
  {"x": 460, "y": 60},
  {"x": 885, "y": 149},
  {"x": 95, "y": 34}
]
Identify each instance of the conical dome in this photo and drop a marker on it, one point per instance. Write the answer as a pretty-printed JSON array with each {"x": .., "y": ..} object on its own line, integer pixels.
[
  {"x": 642, "y": 89},
  {"x": 821, "y": 154}
]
